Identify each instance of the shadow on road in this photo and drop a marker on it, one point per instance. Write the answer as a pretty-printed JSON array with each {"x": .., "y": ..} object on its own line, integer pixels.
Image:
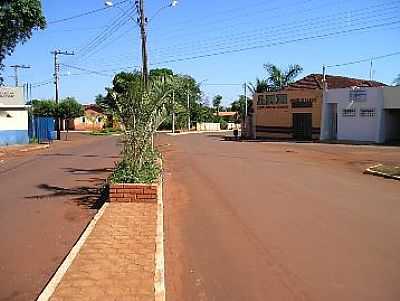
[
  {"x": 88, "y": 171},
  {"x": 89, "y": 197}
]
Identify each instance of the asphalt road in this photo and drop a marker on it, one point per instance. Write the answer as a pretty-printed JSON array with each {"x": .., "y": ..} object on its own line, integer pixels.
[
  {"x": 47, "y": 199},
  {"x": 279, "y": 221}
]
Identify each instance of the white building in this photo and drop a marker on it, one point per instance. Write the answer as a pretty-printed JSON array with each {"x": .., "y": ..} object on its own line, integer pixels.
[
  {"x": 366, "y": 114},
  {"x": 13, "y": 116}
]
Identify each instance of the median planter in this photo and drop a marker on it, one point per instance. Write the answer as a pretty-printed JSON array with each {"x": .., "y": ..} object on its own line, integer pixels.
[{"x": 133, "y": 193}]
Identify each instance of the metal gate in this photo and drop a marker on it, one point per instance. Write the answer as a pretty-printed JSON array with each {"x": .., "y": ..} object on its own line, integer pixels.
[
  {"x": 302, "y": 126},
  {"x": 41, "y": 128}
]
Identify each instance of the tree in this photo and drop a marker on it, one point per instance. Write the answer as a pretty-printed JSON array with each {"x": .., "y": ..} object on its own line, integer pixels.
[
  {"x": 396, "y": 82},
  {"x": 278, "y": 78},
  {"x": 239, "y": 106},
  {"x": 260, "y": 86},
  {"x": 44, "y": 108},
  {"x": 69, "y": 109},
  {"x": 217, "y": 100},
  {"x": 18, "y": 19}
]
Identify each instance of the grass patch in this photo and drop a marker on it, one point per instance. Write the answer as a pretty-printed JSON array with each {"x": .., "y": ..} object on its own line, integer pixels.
[{"x": 390, "y": 170}]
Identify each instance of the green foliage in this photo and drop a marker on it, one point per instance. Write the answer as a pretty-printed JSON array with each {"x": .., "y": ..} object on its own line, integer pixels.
[
  {"x": 44, "y": 108},
  {"x": 161, "y": 72},
  {"x": 18, "y": 18},
  {"x": 140, "y": 111},
  {"x": 69, "y": 108},
  {"x": 260, "y": 86},
  {"x": 126, "y": 171},
  {"x": 217, "y": 100},
  {"x": 278, "y": 78},
  {"x": 240, "y": 106}
]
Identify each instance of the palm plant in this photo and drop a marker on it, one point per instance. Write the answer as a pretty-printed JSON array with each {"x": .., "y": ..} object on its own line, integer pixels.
[
  {"x": 278, "y": 78},
  {"x": 140, "y": 111},
  {"x": 260, "y": 86}
]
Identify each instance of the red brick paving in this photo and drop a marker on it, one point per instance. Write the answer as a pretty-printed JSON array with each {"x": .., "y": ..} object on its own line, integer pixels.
[{"x": 117, "y": 260}]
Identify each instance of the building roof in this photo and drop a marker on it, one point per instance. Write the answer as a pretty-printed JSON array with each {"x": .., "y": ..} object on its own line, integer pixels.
[
  {"x": 93, "y": 107},
  {"x": 314, "y": 81}
]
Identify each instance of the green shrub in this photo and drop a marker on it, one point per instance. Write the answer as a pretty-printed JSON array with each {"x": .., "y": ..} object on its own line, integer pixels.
[{"x": 148, "y": 172}]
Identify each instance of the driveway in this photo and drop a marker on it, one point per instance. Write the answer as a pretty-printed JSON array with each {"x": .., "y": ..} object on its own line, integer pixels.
[
  {"x": 47, "y": 199},
  {"x": 279, "y": 221}
]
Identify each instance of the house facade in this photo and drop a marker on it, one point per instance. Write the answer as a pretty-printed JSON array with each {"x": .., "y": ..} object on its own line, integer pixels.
[
  {"x": 93, "y": 119},
  {"x": 295, "y": 111},
  {"x": 13, "y": 116},
  {"x": 365, "y": 114}
]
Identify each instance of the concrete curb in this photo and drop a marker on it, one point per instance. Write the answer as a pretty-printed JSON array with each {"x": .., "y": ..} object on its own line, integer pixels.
[
  {"x": 380, "y": 174},
  {"x": 44, "y": 146},
  {"x": 198, "y": 132},
  {"x": 159, "y": 273},
  {"x": 51, "y": 286}
]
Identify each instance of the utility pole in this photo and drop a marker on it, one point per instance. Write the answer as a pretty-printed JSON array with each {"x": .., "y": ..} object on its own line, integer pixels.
[
  {"x": 245, "y": 107},
  {"x": 56, "y": 53},
  {"x": 188, "y": 108},
  {"x": 16, "y": 67},
  {"x": 173, "y": 111},
  {"x": 371, "y": 71},
  {"x": 142, "y": 21}
]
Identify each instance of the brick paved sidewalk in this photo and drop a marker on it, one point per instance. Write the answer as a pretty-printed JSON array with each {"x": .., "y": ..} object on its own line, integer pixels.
[{"x": 117, "y": 260}]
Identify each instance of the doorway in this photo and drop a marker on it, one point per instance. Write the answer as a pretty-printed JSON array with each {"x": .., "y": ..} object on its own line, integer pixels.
[{"x": 302, "y": 126}]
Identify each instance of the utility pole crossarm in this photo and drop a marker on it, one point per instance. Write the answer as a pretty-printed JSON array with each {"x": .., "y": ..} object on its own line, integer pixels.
[{"x": 16, "y": 67}]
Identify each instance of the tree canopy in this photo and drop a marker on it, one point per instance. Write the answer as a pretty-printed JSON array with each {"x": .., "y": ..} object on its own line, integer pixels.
[
  {"x": 217, "y": 101},
  {"x": 18, "y": 19},
  {"x": 69, "y": 108},
  {"x": 239, "y": 106},
  {"x": 278, "y": 78}
]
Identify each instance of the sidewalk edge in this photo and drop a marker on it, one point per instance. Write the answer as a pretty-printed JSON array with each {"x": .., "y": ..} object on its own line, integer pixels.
[
  {"x": 51, "y": 286},
  {"x": 159, "y": 275}
]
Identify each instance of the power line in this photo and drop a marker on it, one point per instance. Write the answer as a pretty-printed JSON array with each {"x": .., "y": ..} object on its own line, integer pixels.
[
  {"x": 374, "y": 58},
  {"x": 366, "y": 13},
  {"x": 86, "y": 70},
  {"x": 91, "y": 12},
  {"x": 265, "y": 45}
]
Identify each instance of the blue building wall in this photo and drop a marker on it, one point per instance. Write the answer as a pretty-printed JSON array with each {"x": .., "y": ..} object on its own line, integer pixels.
[{"x": 14, "y": 137}]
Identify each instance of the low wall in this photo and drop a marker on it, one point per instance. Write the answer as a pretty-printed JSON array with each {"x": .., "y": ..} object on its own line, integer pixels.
[
  {"x": 134, "y": 193},
  {"x": 207, "y": 126},
  {"x": 14, "y": 137}
]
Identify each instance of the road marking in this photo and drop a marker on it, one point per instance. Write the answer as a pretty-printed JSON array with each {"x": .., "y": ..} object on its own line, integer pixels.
[{"x": 57, "y": 277}]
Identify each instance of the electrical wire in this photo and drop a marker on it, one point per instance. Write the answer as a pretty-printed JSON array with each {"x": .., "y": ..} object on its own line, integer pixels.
[
  {"x": 374, "y": 58},
  {"x": 87, "y": 13}
]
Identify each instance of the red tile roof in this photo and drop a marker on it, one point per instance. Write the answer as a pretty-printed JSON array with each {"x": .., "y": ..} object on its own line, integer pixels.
[{"x": 314, "y": 81}]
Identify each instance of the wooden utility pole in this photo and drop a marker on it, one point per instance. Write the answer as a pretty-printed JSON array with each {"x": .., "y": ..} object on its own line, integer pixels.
[
  {"x": 16, "y": 67},
  {"x": 142, "y": 20},
  {"x": 56, "y": 53}
]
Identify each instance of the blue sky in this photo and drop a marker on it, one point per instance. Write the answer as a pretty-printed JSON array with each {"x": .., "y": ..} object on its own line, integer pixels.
[{"x": 188, "y": 38}]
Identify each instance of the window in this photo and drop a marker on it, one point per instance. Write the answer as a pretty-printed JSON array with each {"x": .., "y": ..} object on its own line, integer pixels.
[
  {"x": 261, "y": 100},
  {"x": 271, "y": 99},
  {"x": 367, "y": 112},
  {"x": 83, "y": 119},
  {"x": 281, "y": 99},
  {"x": 349, "y": 113}
]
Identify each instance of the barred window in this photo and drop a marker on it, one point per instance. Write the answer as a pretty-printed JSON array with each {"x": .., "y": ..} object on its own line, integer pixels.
[
  {"x": 349, "y": 113},
  {"x": 367, "y": 112},
  {"x": 281, "y": 99},
  {"x": 261, "y": 100},
  {"x": 271, "y": 99}
]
